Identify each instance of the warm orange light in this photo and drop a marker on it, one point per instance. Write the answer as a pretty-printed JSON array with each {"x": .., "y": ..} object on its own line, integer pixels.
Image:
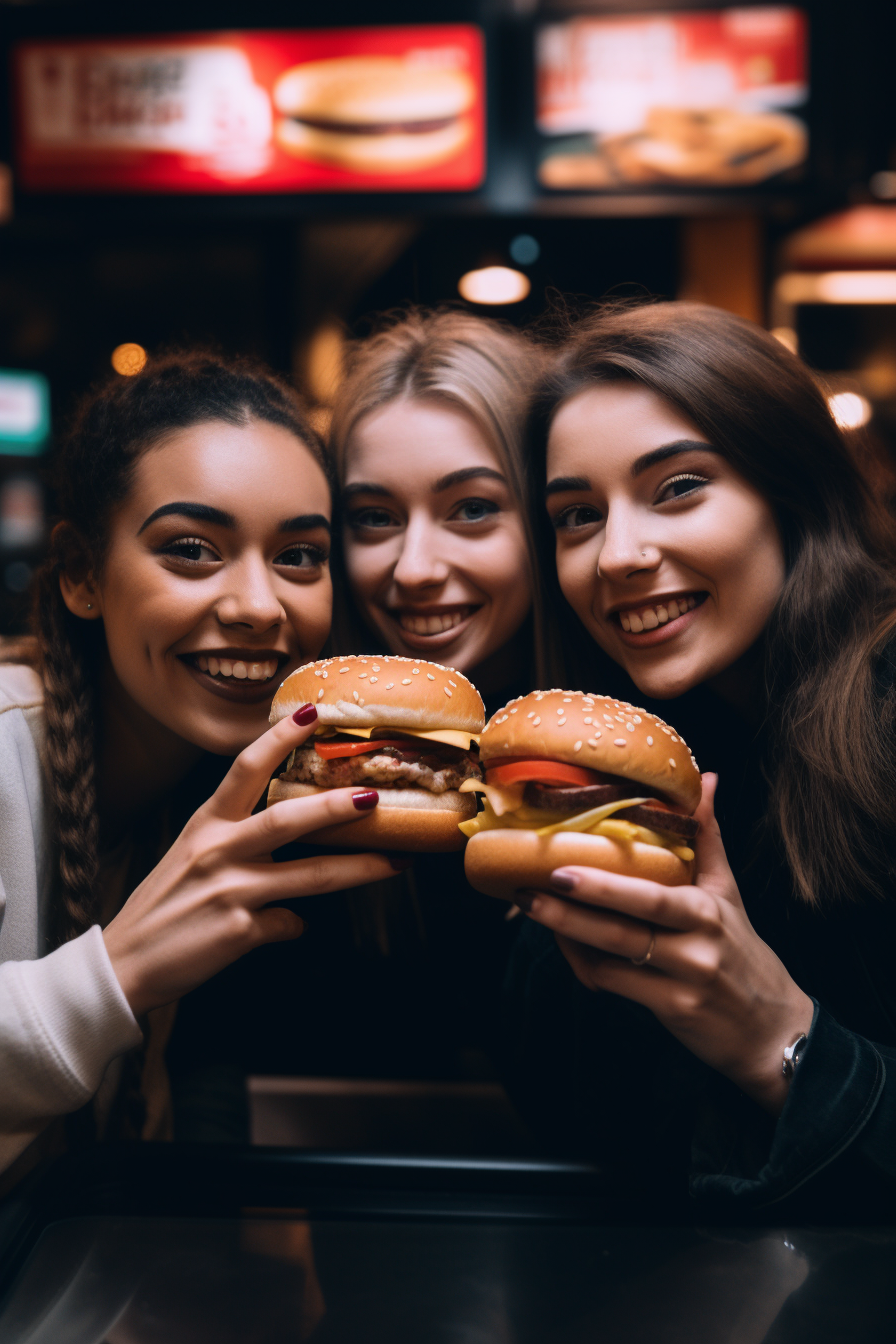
[
  {"x": 787, "y": 337},
  {"x": 494, "y": 284},
  {"x": 850, "y": 410},
  {"x": 838, "y": 287},
  {"x": 128, "y": 359}
]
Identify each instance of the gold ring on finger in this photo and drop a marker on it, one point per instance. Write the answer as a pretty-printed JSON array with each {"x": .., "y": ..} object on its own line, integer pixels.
[{"x": 642, "y": 961}]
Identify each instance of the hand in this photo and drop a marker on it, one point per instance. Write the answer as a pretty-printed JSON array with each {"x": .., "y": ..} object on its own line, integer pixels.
[
  {"x": 711, "y": 980},
  {"x": 205, "y": 904}
]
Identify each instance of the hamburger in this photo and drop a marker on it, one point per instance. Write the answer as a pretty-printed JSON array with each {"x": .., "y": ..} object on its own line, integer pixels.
[
  {"x": 403, "y": 726},
  {"x": 373, "y": 114},
  {"x": 580, "y": 779}
]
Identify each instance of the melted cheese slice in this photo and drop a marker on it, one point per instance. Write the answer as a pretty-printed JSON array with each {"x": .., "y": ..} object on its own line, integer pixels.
[{"x": 452, "y": 737}]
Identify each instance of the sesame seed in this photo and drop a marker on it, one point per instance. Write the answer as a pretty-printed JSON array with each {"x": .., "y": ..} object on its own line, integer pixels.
[
  {"x": 587, "y": 720},
  {"x": 536, "y": 721},
  {"x": 637, "y": 718},
  {"x": 430, "y": 676},
  {"x": 446, "y": 690},
  {"x": 373, "y": 679},
  {"x": 561, "y": 710},
  {"x": 361, "y": 701},
  {"x": 376, "y": 667},
  {"x": 531, "y": 714},
  {"x": 671, "y": 762},
  {"x": 577, "y": 746},
  {"x": 619, "y": 718},
  {"x": 363, "y": 662},
  {"x": 452, "y": 683},
  {"x": 598, "y": 733},
  {"x": 415, "y": 672},
  {"x": 317, "y": 671},
  {"x": 388, "y": 686},
  {"x": 650, "y": 741},
  {"x": 560, "y": 723},
  {"x": 674, "y": 738},
  {"x": 591, "y": 742},
  {"x": 513, "y": 711},
  {"x": 630, "y": 727},
  {"x": 323, "y": 674},
  {"x": 320, "y": 694},
  {"x": 343, "y": 669},
  {"x": 568, "y": 700},
  {"x": 619, "y": 742},
  {"x": 405, "y": 681},
  {"x": 361, "y": 676},
  {"x": 355, "y": 694}
]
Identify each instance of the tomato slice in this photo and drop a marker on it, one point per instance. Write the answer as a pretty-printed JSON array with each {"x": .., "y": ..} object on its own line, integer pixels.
[
  {"x": 541, "y": 772},
  {"x": 331, "y": 750}
]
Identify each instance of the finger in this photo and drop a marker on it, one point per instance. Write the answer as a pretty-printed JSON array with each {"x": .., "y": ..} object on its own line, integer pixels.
[
  {"x": 312, "y": 877},
  {"x": 713, "y": 869},
  {"x": 603, "y": 930},
  {"x": 277, "y": 925},
  {"x": 295, "y": 817},
  {"x": 248, "y": 777},
  {"x": 614, "y": 976},
  {"x": 680, "y": 908}
]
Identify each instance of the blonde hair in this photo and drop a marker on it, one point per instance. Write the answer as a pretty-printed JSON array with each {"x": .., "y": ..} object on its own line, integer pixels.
[{"x": 486, "y": 369}]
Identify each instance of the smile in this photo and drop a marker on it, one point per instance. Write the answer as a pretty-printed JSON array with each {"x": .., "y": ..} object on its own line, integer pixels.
[
  {"x": 238, "y": 668},
  {"x": 432, "y": 622},
  {"x": 654, "y": 614}
]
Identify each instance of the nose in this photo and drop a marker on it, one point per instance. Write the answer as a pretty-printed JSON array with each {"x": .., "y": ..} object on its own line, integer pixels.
[
  {"x": 419, "y": 564},
  {"x": 250, "y": 599},
  {"x": 625, "y": 549}
]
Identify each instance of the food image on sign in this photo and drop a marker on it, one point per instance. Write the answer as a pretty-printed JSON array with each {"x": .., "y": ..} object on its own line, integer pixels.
[
  {"x": 689, "y": 99},
  {"x": 374, "y": 114},
  {"x": 381, "y": 109}
]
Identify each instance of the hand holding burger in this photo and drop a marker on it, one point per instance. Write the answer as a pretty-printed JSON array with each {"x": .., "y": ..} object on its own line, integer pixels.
[
  {"x": 404, "y": 726},
  {"x": 575, "y": 779}
]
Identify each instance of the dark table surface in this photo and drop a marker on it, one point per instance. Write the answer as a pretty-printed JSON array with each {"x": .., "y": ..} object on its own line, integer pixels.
[{"x": 171, "y": 1244}]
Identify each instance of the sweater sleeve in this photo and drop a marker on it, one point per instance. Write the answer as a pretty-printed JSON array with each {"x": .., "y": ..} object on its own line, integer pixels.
[
  {"x": 63, "y": 1019},
  {"x": 836, "y": 1133}
]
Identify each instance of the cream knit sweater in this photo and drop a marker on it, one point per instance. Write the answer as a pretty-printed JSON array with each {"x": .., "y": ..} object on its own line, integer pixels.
[{"x": 63, "y": 1017}]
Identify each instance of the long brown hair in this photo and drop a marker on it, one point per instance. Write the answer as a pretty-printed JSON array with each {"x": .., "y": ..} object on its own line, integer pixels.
[
  {"x": 831, "y": 701},
  {"x": 92, "y": 473},
  {"x": 484, "y": 368}
]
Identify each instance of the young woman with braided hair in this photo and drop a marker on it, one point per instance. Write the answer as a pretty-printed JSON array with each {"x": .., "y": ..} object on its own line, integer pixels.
[{"x": 188, "y": 575}]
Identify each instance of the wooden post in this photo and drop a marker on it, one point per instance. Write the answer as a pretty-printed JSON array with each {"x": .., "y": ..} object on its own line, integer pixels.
[{"x": 722, "y": 262}]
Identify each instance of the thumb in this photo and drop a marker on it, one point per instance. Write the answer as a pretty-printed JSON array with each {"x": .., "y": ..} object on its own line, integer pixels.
[{"x": 713, "y": 869}]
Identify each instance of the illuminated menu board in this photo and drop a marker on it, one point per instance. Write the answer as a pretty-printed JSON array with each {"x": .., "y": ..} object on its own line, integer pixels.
[
  {"x": 364, "y": 109},
  {"x": 703, "y": 98}
]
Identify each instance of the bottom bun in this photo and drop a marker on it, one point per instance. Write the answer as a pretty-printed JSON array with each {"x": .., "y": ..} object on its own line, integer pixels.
[
  {"x": 409, "y": 819},
  {"x": 501, "y": 862}
]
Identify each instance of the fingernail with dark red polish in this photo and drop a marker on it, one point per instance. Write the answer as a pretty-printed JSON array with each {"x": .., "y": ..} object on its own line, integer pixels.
[
  {"x": 563, "y": 881},
  {"x": 305, "y": 714},
  {"x": 365, "y": 799},
  {"x": 400, "y": 861}
]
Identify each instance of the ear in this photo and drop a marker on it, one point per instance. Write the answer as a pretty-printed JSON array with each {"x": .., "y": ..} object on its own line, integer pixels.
[{"x": 76, "y": 580}]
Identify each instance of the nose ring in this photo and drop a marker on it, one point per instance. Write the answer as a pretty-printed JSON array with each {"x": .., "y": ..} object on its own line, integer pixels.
[{"x": 643, "y": 553}]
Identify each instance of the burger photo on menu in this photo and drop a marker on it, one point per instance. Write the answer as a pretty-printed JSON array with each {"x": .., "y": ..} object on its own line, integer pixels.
[
  {"x": 580, "y": 779},
  {"x": 406, "y": 727},
  {"x": 374, "y": 114}
]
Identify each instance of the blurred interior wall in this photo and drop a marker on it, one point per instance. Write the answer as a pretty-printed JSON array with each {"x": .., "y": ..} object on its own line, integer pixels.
[{"x": 723, "y": 262}]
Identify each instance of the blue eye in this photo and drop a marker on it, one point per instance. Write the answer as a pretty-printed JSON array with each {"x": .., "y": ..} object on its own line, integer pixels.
[{"x": 474, "y": 510}]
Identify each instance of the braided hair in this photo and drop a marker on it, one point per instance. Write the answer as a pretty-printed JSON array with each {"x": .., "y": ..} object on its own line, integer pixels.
[{"x": 113, "y": 427}]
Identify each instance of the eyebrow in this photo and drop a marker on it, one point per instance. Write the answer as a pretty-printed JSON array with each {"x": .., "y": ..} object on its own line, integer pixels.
[
  {"x": 205, "y": 513},
  {"x": 563, "y": 483},
  {"x": 443, "y": 483}
]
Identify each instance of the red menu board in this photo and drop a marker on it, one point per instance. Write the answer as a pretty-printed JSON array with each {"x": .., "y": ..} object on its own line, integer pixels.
[
  {"x": 359, "y": 109},
  {"x": 689, "y": 98}
]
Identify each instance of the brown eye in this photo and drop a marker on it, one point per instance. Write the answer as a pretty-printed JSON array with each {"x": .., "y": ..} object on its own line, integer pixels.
[
  {"x": 192, "y": 550},
  {"x": 302, "y": 557},
  {"x": 679, "y": 486},
  {"x": 577, "y": 515}
]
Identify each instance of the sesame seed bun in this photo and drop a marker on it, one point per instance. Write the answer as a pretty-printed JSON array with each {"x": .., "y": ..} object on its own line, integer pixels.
[
  {"x": 382, "y": 691},
  {"x": 373, "y": 113},
  {"x": 598, "y": 733},
  {"x": 503, "y": 862},
  {"x": 405, "y": 819}
]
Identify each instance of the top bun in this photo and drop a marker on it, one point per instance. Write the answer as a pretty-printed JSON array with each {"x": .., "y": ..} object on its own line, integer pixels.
[
  {"x": 598, "y": 733},
  {"x": 379, "y": 690},
  {"x": 372, "y": 90}
]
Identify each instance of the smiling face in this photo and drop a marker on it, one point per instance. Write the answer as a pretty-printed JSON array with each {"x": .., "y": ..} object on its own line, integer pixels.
[
  {"x": 215, "y": 584},
  {"x": 435, "y": 546},
  {"x": 668, "y": 556}
]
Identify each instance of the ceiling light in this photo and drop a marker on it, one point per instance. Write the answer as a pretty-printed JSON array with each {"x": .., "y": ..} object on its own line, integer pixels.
[
  {"x": 494, "y": 284},
  {"x": 128, "y": 359}
]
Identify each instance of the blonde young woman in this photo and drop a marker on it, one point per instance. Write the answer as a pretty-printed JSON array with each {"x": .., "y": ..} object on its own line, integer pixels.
[{"x": 427, "y": 441}]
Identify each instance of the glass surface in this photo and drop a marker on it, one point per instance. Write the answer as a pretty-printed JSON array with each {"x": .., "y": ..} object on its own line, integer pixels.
[{"x": 188, "y": 1281}]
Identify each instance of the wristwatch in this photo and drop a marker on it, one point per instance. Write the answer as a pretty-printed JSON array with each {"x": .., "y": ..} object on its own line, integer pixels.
[{"x": 792, "y": 1055}]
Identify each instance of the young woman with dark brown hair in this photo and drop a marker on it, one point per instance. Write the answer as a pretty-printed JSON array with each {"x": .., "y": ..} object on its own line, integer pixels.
[
  {"x": 714, "y": 540},
  {"x": 187, "y": 576}
]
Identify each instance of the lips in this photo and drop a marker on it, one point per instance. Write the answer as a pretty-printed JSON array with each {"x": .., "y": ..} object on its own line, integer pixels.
[{"x": 242, "y": 676}]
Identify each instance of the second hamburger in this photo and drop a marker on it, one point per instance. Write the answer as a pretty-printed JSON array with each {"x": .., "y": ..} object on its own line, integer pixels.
[
  {"x": 580, "y": 779},
  {"x": 403, "y": 726}
]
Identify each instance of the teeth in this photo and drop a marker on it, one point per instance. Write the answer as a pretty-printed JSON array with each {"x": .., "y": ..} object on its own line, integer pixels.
[
  {"x": 648, "y": 618},
  {"x": 430, "y": 625},
  {"x": 226, "y": 667}
]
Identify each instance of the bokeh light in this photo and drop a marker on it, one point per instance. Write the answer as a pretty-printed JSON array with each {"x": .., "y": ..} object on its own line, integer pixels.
[
  {"x": 494, "y": 284},
  {"x": 524, "y": 249},
  {"x": 128, "y": 359},
  {"x": 849, "y": 409}
]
